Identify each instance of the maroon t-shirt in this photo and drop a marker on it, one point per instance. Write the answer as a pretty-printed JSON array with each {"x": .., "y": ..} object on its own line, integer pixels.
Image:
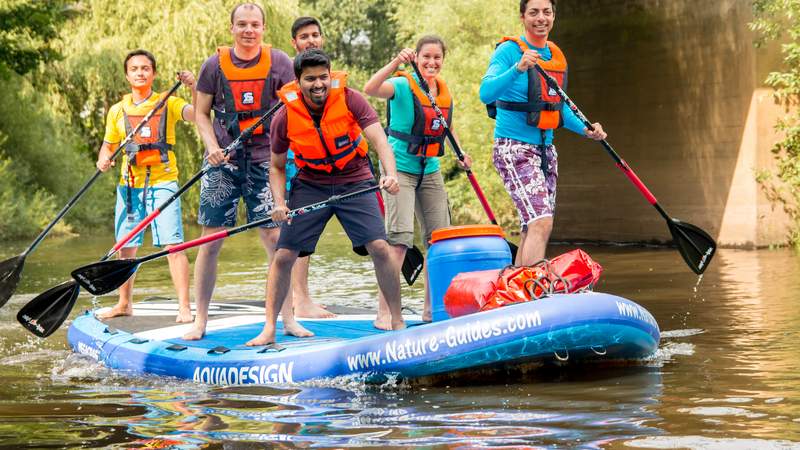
[
  {"x": 210, "y": 82},
  {"x": 357, "y": 169}
]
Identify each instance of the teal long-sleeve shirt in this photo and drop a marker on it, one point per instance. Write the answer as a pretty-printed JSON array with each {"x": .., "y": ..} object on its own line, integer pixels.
[{"x": 503, "y": 81}]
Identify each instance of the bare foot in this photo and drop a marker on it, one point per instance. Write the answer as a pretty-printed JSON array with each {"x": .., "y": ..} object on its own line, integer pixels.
[
  {"x": 382, "y": 322},
  {"x": 117, "y": 311},
  {"x": 263, "y": 338},
  {"x": 295, "y": 329},
  {"x": 427, "y": 316},
  {"x": 184, "y": 315},
  {"x": 398, "y": 325},
  {"x": 196, "y": 334},
  {"x": 311, "y": 310}
]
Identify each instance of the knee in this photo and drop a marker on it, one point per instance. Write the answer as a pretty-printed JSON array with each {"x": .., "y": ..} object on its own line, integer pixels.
[
  {"x": 284, "y": 260},
  {"x": 378, "y": 250},
  {"x": 211, "y": 249},
  {"x": 177, "y": 256},
  {"x": 541, "y": 227}
]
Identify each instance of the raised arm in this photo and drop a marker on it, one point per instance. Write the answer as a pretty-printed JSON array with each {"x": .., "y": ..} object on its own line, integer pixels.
[{"x": 377, "y": 86}]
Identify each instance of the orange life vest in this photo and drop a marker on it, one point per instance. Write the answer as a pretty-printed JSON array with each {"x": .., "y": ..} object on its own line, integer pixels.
[
  {"x": 149, "y": 146},
  {"x": 543, "y": 105},
  {"x": 332, "y": 143},
  {"x": 427, "y": 133},
  {"x": 245, "y": 91}
]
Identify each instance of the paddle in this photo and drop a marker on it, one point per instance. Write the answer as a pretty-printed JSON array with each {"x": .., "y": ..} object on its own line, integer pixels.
[
  {"x": 103, "y": 277},
  {"x": 11, "y": 268},
  {"x": 694, "y": 244},
  {"x": 45, "y": 313},
  {"x": 460, "y": 155}
]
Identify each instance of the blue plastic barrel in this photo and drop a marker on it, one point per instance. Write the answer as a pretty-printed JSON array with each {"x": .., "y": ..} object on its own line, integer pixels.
[{"x": 465, "y": 248}]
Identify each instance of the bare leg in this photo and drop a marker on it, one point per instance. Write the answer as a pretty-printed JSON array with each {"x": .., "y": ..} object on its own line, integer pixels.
[
  {"x": 387, "y": 271},
  {"x": 534, "y": 242},
  {"x": 303, "y": 306},
  {"x": 384, "y": 319},
  {"x": 280, "y": 272},
  {"x": 124, "y": 306},
  {"x": 427, "y": 313},
  {"x": 179, "y": 270},
  {"x": 269, "y": 239},
  {"x": 205, "y": 277}
]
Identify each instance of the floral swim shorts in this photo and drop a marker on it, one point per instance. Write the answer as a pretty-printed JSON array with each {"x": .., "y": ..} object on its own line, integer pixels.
[{"x": 520, "y": 167}]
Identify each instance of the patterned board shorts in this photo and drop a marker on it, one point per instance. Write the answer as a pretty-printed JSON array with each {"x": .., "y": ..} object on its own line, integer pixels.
[
  {"x": 520, "y": 167},
  {"x": 223, "y": 186}
]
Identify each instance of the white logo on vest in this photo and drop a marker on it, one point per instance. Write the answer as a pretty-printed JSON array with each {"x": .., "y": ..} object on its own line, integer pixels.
[
  {"x": 248, "y": 98},
  {"x": 145, "y": 132}
]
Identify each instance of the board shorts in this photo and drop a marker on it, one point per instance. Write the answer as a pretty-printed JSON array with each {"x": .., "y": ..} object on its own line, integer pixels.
[
  {"x": 222, "y": 187},
  {"x": 519, "y": 165},
  {"x": 428, "y": 204},
  {"x": 166, "y": 228},
  {"x": 360, "y": 216}
]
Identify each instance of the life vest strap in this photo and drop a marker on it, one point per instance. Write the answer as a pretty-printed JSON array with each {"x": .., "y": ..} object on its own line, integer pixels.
[
  {"x": 330, "y": 159},
  {"x": 416, "y": 139},
  {"x": 528, "y": 107},
  {"x": 241, "y": 115}
]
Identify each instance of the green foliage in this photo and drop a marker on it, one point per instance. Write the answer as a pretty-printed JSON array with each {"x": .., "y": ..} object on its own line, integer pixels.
[
  {"x": 358, "y": 33},
  {"x": 778, "y": 19},
  {"x": 26, "y": 30}
]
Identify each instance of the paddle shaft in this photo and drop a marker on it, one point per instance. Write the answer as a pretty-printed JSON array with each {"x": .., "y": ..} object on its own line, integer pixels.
[
  {"x": 614, "y": 155},
  {"x": 97, "y": 173},
  {"x": 230, "y": 232},
  {"x": 459, "y": 154},
  {"x": 244, "y": 135}
]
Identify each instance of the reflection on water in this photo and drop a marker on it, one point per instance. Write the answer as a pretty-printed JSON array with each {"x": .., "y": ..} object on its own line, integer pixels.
[{"x": 725, "y": 374}]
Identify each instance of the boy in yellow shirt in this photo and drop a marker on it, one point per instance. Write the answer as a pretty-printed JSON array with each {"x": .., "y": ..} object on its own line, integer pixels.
[{"x": 149, "y": 173}]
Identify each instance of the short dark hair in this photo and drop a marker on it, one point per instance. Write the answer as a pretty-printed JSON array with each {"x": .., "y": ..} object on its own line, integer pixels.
[
  {"x": 303, "y": 22},
  {"x": 139, "y": 52},
  {"x": 431, "y": 39},
  {"x": 249, "y": 5},
  {"x": 313, "y": 57},
  {"x": 523, "y": 4}
]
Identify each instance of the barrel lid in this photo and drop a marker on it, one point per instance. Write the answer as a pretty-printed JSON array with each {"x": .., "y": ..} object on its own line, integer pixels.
[{"x": 461, "y": 231}]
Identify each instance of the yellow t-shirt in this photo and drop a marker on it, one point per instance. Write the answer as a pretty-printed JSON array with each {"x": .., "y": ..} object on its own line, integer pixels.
[{"x": 115, "y": 133}]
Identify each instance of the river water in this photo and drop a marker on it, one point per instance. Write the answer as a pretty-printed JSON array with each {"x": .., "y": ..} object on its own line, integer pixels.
[{"x": 725, "y": 374}]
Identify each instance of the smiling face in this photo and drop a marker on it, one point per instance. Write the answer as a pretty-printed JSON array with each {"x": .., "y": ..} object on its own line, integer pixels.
[
  {"x": 308, "y": 37},
  {"x": 315, "y": 83},
  {"x": 247, "y": 27},
  {"x": 538, "y": 19},
  {"x": 429, "y": 60},
  {"x": 139, "y": 72}
]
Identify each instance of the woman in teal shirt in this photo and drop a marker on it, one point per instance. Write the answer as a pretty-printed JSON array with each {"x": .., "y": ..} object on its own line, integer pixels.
[{"x": 417, "y": 136}]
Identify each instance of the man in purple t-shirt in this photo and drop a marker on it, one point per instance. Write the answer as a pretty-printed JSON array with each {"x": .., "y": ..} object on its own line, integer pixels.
[
  {"x": 239, "y": 84},
  {"x": 332, "y": 161}
]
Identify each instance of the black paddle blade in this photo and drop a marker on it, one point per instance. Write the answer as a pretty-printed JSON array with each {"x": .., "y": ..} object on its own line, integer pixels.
[
  {"x": 44, "y": 314},
  {"x": 103, "y": 277},
  {"x": 695, "y": 245},
  {"x": 513, "y": 247},
  {"x": 412, "y": 265},
  {"x": 360, "y": 250},
  {"x": 9, "y": 277}
]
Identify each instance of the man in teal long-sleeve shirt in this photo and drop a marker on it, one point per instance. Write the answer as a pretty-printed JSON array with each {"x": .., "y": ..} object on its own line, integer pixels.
[{"x": 526, "y": 112}]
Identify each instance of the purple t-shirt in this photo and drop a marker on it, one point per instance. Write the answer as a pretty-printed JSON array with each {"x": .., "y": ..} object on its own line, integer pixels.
[
  {"x": 357, "y": 169},
  {"x": 210, "y": 82}
]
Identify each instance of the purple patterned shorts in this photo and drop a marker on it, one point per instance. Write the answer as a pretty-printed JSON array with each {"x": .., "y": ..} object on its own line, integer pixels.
[{"x": 519, "y": 165}]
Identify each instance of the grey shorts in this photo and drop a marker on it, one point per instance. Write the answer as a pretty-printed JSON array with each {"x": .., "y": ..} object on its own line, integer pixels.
[
  {"x": 428, "y": 204},
  {"x": 223, "y": 186}
]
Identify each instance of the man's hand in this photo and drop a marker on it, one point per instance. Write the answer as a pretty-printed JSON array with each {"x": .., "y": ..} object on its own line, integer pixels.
[
  {"x": 466, "y": 164},
  {"x": 279, "y": 213},
  {"x": 390, "y": 184},
  {"x": 103, "y": 163},
  {"x": 187, "y": 78},
  {"x": 216, "y": 156},
  {"x": 597, "y": 133},
  {"x": 528, "y": 60}
]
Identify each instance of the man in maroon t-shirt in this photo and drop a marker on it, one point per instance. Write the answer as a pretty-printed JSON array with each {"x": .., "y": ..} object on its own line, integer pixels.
[
  {"x": 239, "y": 84},
  {"x": 329, "y": 164}
]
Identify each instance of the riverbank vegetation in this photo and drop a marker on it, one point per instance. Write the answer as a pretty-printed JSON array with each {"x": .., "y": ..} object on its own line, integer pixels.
[
  {"x": 778, "y": 20},
  {"x": 61, "y": 70}
]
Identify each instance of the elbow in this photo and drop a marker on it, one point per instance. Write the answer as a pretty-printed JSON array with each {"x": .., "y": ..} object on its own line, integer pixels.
[{"x": 370, "y": 89}]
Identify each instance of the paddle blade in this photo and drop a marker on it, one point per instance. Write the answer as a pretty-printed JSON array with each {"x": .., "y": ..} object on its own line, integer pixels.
[
  {"x": 513, "y": 247},
  {"x": 44, "y": 314},
  {"x": 412, "y": 265},
  {"x": 9, "y": 277},
  {"x": 694, "y": 244},
  {"x": 103, "y": 277}
]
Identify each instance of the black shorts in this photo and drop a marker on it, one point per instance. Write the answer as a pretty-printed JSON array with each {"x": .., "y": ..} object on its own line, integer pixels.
[{"x": 360, "y": 216}]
